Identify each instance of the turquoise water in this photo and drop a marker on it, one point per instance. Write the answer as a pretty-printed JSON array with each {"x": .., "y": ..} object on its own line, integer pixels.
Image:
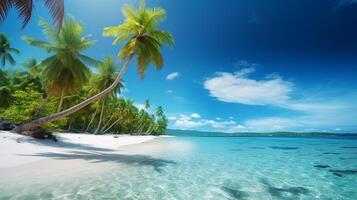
[{"x": 221, "y": 168}]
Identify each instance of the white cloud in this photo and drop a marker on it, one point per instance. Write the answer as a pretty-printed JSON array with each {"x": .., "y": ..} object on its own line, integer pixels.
[
  {"x": 172, "y": 118},
  {"x": 187, "y": 124},
  {"x": 172, "y": 76},
  {"x": 272, "y": 91},
  {"x": 169, "y": 91},
  {"x": 239, "y": 88},
  {"x": 344, "y": 116},
  {"x": 218, "y": 118},
  {"x": 194, "y": 120},
  {"x": 184, "y": 117},
  {"x": 185, "y": 121},
  {"x": 195, "y": 115},
  {"x": 322, "y": 109}
]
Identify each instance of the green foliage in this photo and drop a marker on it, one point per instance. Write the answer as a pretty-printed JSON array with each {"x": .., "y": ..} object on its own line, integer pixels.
[
  {"x": 22, "y": 100},
  {"x": 65, "y": 70},
  {"x": 105, "y": 77},
  {"x": 23, "y": 105}
]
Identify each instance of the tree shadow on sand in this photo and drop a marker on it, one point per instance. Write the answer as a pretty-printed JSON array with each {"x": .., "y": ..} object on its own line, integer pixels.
[
  {"x": 99, "y": 157},
  {"x": 63, "y": 143}
]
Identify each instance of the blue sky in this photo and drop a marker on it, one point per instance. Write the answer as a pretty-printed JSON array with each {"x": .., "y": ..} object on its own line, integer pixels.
[{"x": 237, "y": 65}]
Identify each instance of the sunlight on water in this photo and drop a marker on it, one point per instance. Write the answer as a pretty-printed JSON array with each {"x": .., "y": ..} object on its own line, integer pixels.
[{"x": 219, "y": 168}]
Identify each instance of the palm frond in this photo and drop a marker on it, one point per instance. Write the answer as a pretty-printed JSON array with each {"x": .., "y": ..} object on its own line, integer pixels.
[
  {"x": 48, "y": 30},
  {"x": 162, "y": 37},
  {"x": 16, "y": 51},
  {"x": 24, "y": 8},
  {"x": 10, "y": 59},
  {"x": 39, "y": 43},
  {"x": 5, "y": 6},
  {"x": 88, "y": 60},
  {"x": 56, "y": 8}
]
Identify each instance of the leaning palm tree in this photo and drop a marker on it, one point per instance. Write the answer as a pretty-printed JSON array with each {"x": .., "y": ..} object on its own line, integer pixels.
[
  {"x": 102, "y": 80},
  {"x": 65, "y": 71},
  {"x": 6, "y": 50},
  {"x": 26, "y": 7},
  {"x": 143, "y": 41}
]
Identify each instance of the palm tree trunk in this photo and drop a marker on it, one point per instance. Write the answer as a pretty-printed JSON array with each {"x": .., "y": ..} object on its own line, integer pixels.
[
  {"x": 69, "y": 127},
  {"x": 107, "y": 123},
  {"x": 59, "y": 108},
  {"x": 101, "y": 117},
  {"x": 111, "y": 126},
  {"x": 38, "y": 122},
  {"x": 147, "y": 131},
  {"x": 90, "y": 122}
]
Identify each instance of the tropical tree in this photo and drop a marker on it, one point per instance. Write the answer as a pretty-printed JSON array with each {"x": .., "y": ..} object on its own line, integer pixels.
[
  {"x": 65, "y": 71},
  {"x": 6, "y": 50},
  {"x": 102, "y": 80},
  {"x": 26, "y": 7},
  {"x": 142, "y": 40}
]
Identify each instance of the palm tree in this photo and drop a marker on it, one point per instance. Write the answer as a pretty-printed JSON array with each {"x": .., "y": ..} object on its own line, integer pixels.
[
  {"x": 25, "y": 8},
  {"x": 34, "y": 71},
  {"x": 6, "y": 50},
  {"x": 159, "y": 111},
  {"x": 65, "y": 71},
  {"x": 102, "y": 80},
  {"x": 142, "y": 39}
]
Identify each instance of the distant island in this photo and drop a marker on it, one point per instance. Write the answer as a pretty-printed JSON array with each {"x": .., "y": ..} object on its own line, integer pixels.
[{"x": 176, "y": 132}]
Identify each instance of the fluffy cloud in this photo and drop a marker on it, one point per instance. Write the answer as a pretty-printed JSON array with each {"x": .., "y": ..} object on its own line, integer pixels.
[
  {"x": 172, "y": 76},
  {"x": 239, "y": 88},
  {"x": 172, "y": 118},
  {"x": 195, "y": 115},
  {"x": 326, "y": 109},
  {"x": 184, "y": 121},
  {"x": 187, "y": 123}
]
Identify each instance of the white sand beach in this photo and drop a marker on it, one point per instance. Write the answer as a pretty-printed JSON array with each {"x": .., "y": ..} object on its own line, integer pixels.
[
  {"x": 24, "y": 158},
  {"x": 17, "y": 149}
]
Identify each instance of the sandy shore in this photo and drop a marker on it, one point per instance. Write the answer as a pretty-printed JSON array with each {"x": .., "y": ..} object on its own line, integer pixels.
[{"x": 17, "y": 150}]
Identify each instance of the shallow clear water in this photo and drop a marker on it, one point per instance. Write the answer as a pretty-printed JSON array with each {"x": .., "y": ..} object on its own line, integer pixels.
[{"x": 220, "y": 168}]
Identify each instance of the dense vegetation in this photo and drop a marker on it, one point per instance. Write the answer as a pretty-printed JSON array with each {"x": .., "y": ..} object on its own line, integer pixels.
[
  {"x": 72, "y": 91},
  {"x": 23, "y": 98}
]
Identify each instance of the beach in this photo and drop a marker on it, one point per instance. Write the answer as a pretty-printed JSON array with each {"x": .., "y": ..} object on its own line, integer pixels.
[{"x": 25, "y": 159}]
